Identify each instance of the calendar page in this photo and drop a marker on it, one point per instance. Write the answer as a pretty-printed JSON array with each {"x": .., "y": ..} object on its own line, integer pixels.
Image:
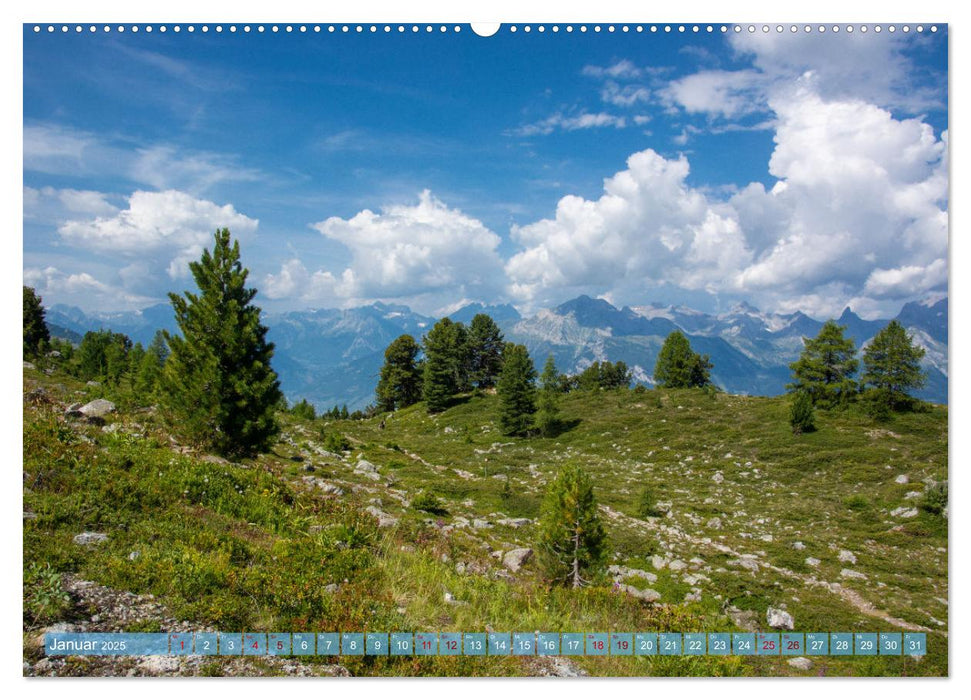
[{"x": 485, "y": 350}]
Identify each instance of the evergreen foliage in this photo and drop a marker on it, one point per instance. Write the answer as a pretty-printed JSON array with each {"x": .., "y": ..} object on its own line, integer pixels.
[
  {"x": 219, "y": 389},
  {"x": 826, "y": 367},
  {"x": 444, "y": 371},
  {"x": 516, "y": 390},
  {"x": 891, "y": 365},
  {"x": 647, "y": 504},
  {"x": 36, "y": 333},
  {"x": 304, "y": 409},
  {"x": 678, "y": 366},
  {"x": 802, "y": 416},
  {"x": 484, "y": 351},
  {"x": 400, "y": 384},
  {"x": 103, "y": 355},
  {"x": 604, "y": 375},
  {"x": 572, "y": 546},
  {"x": 548, "y": 399},
  {"x": 148, "y": 371}
]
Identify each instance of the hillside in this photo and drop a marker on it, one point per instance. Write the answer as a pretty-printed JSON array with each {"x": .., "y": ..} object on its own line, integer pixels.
[{"x": 825, "y": 526}]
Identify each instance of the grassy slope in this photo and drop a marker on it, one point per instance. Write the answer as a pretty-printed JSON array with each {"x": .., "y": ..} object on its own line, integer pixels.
[{"x": 251, "y": 546}]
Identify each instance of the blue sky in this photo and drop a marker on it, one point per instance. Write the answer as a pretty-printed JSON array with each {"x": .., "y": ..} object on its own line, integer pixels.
[{"x": 787, "y": 170}]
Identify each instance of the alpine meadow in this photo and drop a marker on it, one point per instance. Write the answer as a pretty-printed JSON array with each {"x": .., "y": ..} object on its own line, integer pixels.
[{"x": 644, "y": 339}]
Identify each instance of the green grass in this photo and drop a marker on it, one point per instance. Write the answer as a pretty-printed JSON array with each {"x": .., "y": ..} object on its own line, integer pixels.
[{"x": 253, "y": 545}]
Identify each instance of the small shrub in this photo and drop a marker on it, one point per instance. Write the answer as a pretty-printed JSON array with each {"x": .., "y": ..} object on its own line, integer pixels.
[
  {"x": 45, "y": 599},
  {"x": 935, "y": 498},
  {"x": 856, "y": 502},
  {"x": 802, "y": 417},
  {"x": 647, "y": 505},
  {"x": 429, "y": 503},
  {"x": 877, "y": 405},
  {"x": 640, "y": 389},
  {"x": 335, "y": 442}
]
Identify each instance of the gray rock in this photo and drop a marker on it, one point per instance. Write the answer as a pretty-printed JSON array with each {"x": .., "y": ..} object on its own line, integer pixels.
[
  {"x": 331, "y": 588},
  {"x": 746, "y": 562},
  {"x": 648, "y": 595},
  {"x": 714, "y": 524},
  {"x": 798, "y": 546},
  {"x": 904, "y": 512},
  {"x": 902, "y": 479},
  {"x": 801, "y": 663},
  {"x": 452, "y": 600},
  {"x": 159, "y": 664},
  {"x": 98, "y": 408},
  {"x": 87, "y": 538},
  {"x": 658, "y": 562},
  {"x": 514, "y": 560},
  {"x": 718, "y": 477},
  {"x": 812, "y": 561},
  {"x": 449, "y": 430},
  {"x": 331, "y": 489},
  {"x": 677, "y": 565},
  {"x": 479, "y": 524},
  {"x": 779, "y": 619},
  {"x": 132, "y": 556},
  {"x": 847, "y": 557},
  {"x": 29, "y": 365},
  {"x": 515, "y": 522},
  {"x": 849, "y": 573},
  {"x": 92, "y": 383},
  {"x": 384, "y": 520}
]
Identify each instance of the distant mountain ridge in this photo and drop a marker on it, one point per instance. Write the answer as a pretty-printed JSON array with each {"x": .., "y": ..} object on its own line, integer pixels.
[{"x": 333, "y": 356}]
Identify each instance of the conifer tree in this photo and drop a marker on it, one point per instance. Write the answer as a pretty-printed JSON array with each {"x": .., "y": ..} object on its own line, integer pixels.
[
  {"x": 444, "y": 347},
  {"x": 891, "y": 365},
  {"x": 400, "y": 384},
  {"x": 36, "y": 333},
  {"x": 484, "y": 351},
  {"x": 149, "y": 370},
  {"x": 548, "y": 400},
  {"x": 572, "y": 546},
  {"x": 678, "y": 366},
  {"x": 826, "y": 366},
  {"x": 219, "y": 389},
  {"x": 801, "y": 414},
  {"x": 516, "y": 390}
]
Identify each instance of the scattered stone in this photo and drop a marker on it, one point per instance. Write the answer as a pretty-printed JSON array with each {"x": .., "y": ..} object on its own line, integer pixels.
[
  {"x": 517, "y": 558},
  {"x": 718, "y": 478},
  {"x": 849, "y": 573},
  {"x": 798, "y": 546},
  {"x": 801, "y": 663},
  {"x": 904, "y": 512},
  {"x": 29, "y": 365},
  {"x": 28, "y": 515},
  {"x": 331, "y": 588},
  {"x": 847, "y": 557},
  {"x": 677, "y": 565},
  {"x": 92, "y": 383},
  {"x": 464, "y": 474},
  {"x": 87, "y": 538},
  {"x": 159, "y": 664},
  {"x": 132, "y": 556},
  {"x": 693, "y": 596},
  {"x": 812, "y": 561},
  {"x": 648, "y": 595},
  {"x": 902, "y": 479},
  {"x": 515, "y": 522},
  {"x": 449, "y": 430},
  {"x": 746, "y": 561},
  {"x": 330, "y": 489},
  {"x": 98, "y": 408},
  {"x": 479, "y": 524},
  {"x": 384, "y": 520},
  {"x": 912, "y": 495},
  {"x": 658, "y": 562},
  {"x": 714, "y": 524},
  {"x": 766, "y": 538},
  {"x": 451, "y": 600},
  {"x": 779, "y": 619}
]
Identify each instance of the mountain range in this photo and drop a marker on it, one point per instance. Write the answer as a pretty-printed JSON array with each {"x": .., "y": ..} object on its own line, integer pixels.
[{"x": 333, "y": 356}]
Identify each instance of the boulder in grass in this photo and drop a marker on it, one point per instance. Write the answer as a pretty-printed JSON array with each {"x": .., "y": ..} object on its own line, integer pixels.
[
  {"x": 779, "y": 619},
  {"x": 99, "y": 408},
  {"x": 515, "y": 559},
  {"x": 89, "y": 538}
]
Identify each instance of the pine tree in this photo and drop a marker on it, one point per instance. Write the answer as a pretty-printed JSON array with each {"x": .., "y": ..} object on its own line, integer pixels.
[
  {"x": 891, "y": 365},
  {"x": 678, "y": 366},
  {"x": 219, "y": 389},
  {"x": 444, "y": 347},
  {"x": 826, "y": 366},
  {"x": 801, "y": 413},
  {"x": 548, "y": 400},
  {"x": 148, "y": 373},
  {"x": 572, "y": 540},
  {"x": 36, "y": 333},
  {"x": 516, "y": 390},
  {"x": 484, "y": 351},
  {"x": 401, "y": 381}
]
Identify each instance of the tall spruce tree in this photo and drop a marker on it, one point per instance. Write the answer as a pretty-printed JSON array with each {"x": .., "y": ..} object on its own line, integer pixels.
[
  {"x": 219, "y": 389},
  {"x": 678, "y": 366},
  {"x": 572, "y": 546},
  {"x": 516, "y": 389},
  {"x": 401, "y": 380},
  {"x": 444, "y": 347},
  {"x": 36, "y": 333},
  {"x": 484, "y": 346},
  {"x": 891, "y": 365},
  {"x": 826, "y": 367},
  {"x": 548, "y": 399}
]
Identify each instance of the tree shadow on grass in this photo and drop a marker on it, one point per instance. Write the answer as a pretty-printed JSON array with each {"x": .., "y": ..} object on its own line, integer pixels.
[{"x": 562, "y": 426}]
